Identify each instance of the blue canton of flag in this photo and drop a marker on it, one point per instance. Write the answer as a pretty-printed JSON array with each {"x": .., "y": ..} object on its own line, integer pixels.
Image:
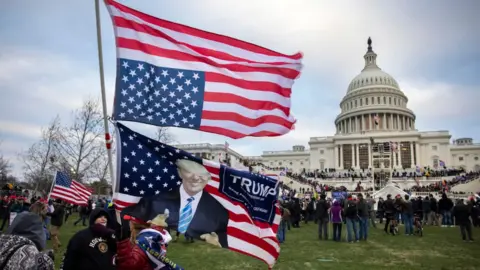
[
  {"x": 147, "y": 167},
  {"x": 63, "y": 179},
  {"x": 159, "y": 96}
]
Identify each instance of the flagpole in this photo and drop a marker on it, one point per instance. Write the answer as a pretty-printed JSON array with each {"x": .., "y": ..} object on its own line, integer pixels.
[
  {"x": 51, "y": 186},
  {"x": 108, "y": 138}
]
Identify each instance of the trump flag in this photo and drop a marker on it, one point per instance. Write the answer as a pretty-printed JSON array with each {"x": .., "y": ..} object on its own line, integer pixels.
[
  {"x": 206, "y": 200},
  {"x": 174, "y": 75}
]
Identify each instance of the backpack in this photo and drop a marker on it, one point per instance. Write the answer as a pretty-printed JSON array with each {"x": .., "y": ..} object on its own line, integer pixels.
[{"x": 351, "y": 210}]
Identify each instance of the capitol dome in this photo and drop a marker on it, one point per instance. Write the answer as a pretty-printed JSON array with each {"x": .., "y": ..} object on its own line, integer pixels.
[{"x": 374, "y": 102}]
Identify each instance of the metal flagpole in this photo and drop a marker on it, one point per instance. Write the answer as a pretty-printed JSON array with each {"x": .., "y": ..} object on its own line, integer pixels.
[
  {"x": 51, "y": 187},
  {"x": 108, "y": 138}
]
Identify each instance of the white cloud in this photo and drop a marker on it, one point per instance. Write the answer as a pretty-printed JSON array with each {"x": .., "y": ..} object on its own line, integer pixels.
[
  {"x": 20, "y": 129},
  {"x": 332, "y": 35},
  {"x": 437, "y": 100}
]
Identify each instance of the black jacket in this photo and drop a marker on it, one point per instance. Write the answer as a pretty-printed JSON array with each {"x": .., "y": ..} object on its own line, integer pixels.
[
  {"x": 322, "y": 209},
  {"x": 461, "y": 212},
  {"x": 58, "y": 215},
  {"x": 91, "y": 248},
  {"x": 445, "y": 204},
  {"x": 388, "y": 206},
  {"x": 433, "y": 205}
]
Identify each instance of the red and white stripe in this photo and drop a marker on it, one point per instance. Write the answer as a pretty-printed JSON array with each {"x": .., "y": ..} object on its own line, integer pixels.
[
  {"x": 253, "y": 238},
  {"x": 248, "y": 87},
  {"x": 76, "y": 194}
]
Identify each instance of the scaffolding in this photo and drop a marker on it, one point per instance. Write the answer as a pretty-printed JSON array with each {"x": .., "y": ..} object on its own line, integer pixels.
[{"x": 382, "y": 165}]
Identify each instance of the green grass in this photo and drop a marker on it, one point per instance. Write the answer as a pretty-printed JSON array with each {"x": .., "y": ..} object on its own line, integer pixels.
[{"x": 440, "y": 248}]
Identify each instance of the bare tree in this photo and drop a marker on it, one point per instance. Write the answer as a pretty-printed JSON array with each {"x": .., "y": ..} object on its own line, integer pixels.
[
  {"x": 100, "y": 170},
  {"x": 38, "y": 160},
  {"x": 164, "y": 135},
  {"x": 81, "y": 144}
]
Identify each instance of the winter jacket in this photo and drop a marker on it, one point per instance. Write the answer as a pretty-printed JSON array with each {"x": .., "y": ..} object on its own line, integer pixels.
[
  {"x": 322, "y": 210},
  {"x": 461, "y": 212},
  {"x": 131, "y": 256},
  {"x": 362, "y": 208},
  {"x": 445, "y": 204},
  {"x": 388, "y": 206},
  {"x": 426, "y": 205},
  {"x": 408, "y": 207},
  {"x": 351, "y": 211},
  {"x": 21, "y": 245},
  {"x": 91, "y": 248},
  {"x": 433, "y": 205},
  {"x": 336, "y": 213},
  {"x": 57, "y": 216}
]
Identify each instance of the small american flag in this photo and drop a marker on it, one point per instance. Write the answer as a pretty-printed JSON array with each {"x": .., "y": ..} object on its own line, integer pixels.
[
  {"x": 226, "y": 146},
  {"x": 376, "y": 119},
  {"x": 147, "y": 168},
  {"x": 173, "y": 75},
  {"x": 69, "y": 190}
]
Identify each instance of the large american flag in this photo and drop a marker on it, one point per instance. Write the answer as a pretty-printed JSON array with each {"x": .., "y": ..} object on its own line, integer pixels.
[
  {"x": 69, "y": 190},
  {"x": 146, "y": 168},
  {"x": 173, "y": 75}
]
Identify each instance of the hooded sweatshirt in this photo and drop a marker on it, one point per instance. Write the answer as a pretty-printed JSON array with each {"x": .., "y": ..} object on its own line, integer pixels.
[
  {"x": 91, "y": 248},
  {"x": 336, "y": 213},
  {"x": 21, "y": 246}
]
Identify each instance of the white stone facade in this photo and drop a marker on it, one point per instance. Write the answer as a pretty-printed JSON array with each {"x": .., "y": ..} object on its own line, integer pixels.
[{"x": 375, "y": 108}]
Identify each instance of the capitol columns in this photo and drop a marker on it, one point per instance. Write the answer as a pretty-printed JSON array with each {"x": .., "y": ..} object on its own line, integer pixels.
[
  {"x": 341, "y": 156},
  {"x": 370, "y": 165},
  {"x": 353, "y": 155},
  {"x": 417, "y": 153},
  {"x": 411, "y": 156},
  {"x": 357, "y": 146}
]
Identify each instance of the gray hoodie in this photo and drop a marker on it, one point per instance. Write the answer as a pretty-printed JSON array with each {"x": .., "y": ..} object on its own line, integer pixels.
[{"x": 21, "y": 245}]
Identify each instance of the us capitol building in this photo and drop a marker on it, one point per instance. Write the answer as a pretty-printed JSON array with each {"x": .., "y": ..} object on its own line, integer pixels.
[{"x": 374, "y": 115}]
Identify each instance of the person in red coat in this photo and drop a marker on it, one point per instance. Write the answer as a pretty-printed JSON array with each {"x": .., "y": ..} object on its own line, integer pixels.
[{"x": 147, "y": 246}]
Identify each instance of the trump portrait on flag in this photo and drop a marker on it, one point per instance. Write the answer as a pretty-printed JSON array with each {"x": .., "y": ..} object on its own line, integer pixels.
[{"x": 194, "y": 212}]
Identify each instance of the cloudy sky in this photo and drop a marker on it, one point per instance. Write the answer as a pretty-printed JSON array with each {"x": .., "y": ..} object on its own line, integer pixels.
[{"x": 48, "y": 59}]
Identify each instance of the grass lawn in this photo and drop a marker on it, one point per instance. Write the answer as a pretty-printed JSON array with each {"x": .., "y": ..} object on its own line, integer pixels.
[{"x": 440, "y": 248}]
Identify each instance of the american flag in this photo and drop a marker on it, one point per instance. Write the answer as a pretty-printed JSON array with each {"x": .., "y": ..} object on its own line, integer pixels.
[
  {"x": 226, "y": 146},
  {"x": 146, "y": 168},
  {"x": 376, "y": 119},
  {"x": 394, "y": 146},
  {"x": 174, "y": 75},
  {"x": 69, "y": 190}
]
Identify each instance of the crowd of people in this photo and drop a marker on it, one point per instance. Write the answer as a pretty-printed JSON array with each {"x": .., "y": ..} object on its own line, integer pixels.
[{"x": 358, "y": 214}]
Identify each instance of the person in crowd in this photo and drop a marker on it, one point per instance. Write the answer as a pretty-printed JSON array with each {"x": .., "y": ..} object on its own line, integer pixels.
[
  {"x": 56, "y": 221},
  {"x": 371, "y": 211},
  {"x": 282, "y": 227},
  {"x": 93, "y": 247},
  {"x": 475, "y": 212},
  {"x": 462, "y": 213},
  {"x": 445, "y": 206},
  {"x": 407, "y": 215},
  {"x": 296, "y": 213},
  {"x": 380, "y": 210},
  {"x": 433, "y": 216},
  {"x": 322, "y": 217},
  {"x": 22, "y": 246},
  {"x": 337, "y": 220},
  {"x": 351, "y": 214},
  {"x": 50, "y": 209},
  {"x": 85, "y": 211},
  {"x": 68, "y": 211},
  {"x": 389, "y": 209},
  {"x": 145, "y": 233},
  {"x": 362, "y": 208},
  {"x": 426, "y": 209},
  {"x": 7, "y": 206},
  {"x": 40, "y": 208},
  {"x": 417, "y": 207}
]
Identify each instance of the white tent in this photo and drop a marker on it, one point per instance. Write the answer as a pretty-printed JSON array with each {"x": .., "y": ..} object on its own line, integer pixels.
[{"x": 390, "y": 188}]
